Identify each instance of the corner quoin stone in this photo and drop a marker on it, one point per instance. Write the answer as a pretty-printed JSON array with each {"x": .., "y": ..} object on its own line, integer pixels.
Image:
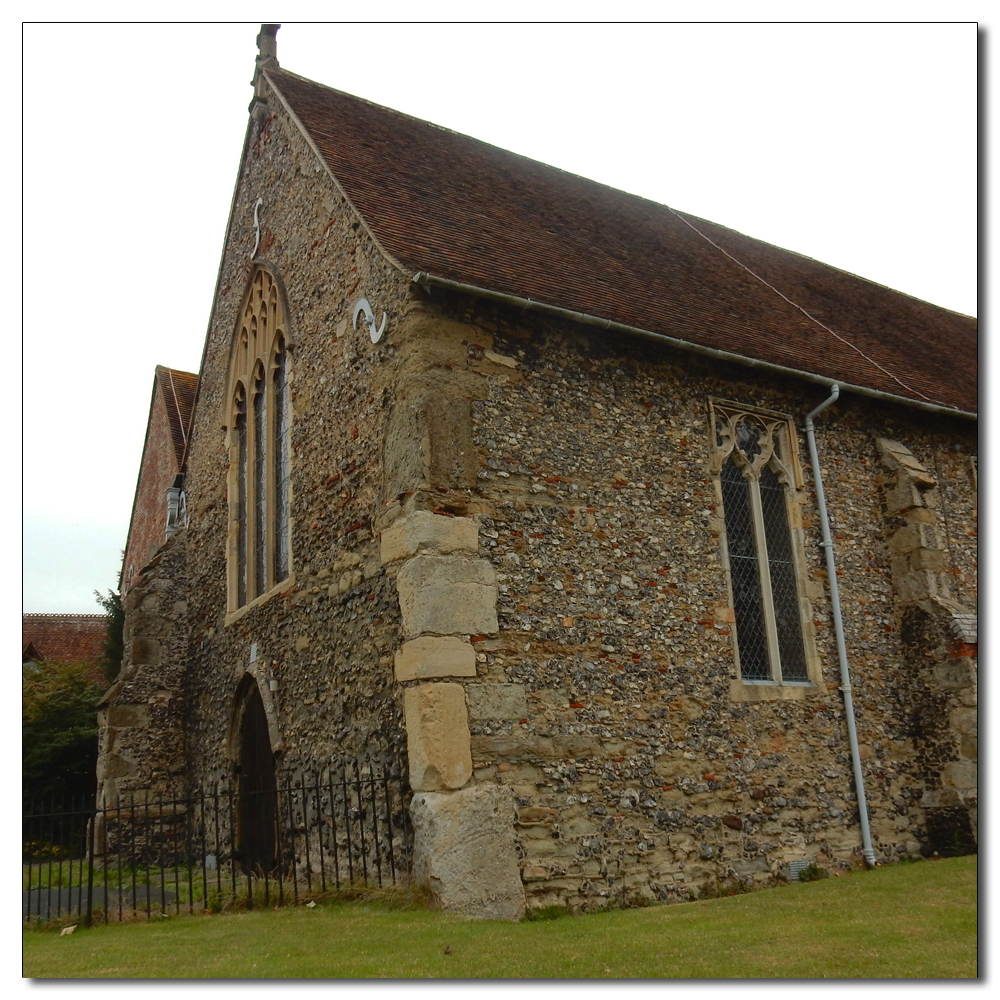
[
  {"x": 464, "y": 850},
  {"x": 435, "y": 656},
  {"x": 433, "y": 534},
  {"x": 447, "y": 595},
  {"x": 437, "y": 736}
]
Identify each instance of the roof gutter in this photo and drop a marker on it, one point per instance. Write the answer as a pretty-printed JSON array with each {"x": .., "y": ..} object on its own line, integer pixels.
[{"x": 432, "y": 281}]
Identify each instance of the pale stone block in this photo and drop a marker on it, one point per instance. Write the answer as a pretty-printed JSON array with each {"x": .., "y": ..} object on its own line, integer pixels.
[
  {"x": 966, "y": 721},
  {"x": 913, "y": 587},
  {"x": 128, "y": 715},
  {"x": 434, "y": 534},
  {"x": 750, "y": 866},
  {"x": 447, "y": 595},
  {"x": 896, "y": 456},
  {"x": 464, "y": 850},
  {"x": 889, "y": 449},
  {"x": 435, "y": 656},
  {"x": 913, "y": 536},
  {"x": 534, "y": 873},
  {"x": 437, "y": 736},
  {"x": 496, "y": 701},
  {"x": 113, "y": 765},
  {"x": 941, "y": 798},
  {"x": 903, "y": 497},
  {"x": 928, "y": 559},
  {"x": 145, "y": 652},
  {"x": 500, "y": 359},
  {"x": 960, "y": 774},
  {"x": 899, "y": 565}
]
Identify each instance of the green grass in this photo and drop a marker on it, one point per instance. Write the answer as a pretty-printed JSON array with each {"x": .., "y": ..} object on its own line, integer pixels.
[{"x": 909, "y": 921}]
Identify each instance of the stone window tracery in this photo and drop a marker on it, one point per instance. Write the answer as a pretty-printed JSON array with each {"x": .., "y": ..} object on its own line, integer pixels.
[
  {"x": 258, "y": 421},
  {"x": 755, "y": 460}
]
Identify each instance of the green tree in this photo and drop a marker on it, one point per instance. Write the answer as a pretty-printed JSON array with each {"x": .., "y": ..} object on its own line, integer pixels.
[
  {"x": 59, "y": 728},
  {"x": 114, "y": 641}
]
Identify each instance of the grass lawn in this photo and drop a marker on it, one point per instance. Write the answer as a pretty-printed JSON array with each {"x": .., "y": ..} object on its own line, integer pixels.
[{"x": 908, "y": 921}]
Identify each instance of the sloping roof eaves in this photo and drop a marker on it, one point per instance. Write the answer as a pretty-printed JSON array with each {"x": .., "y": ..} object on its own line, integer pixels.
[{"x": 460, "y": 209}]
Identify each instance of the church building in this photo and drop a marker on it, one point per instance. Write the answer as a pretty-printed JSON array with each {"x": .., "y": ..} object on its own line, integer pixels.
[{"x": 648, "y": 547}]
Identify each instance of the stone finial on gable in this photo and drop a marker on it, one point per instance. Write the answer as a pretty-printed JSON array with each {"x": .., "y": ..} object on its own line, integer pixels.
[
  {"x": 267, "y": 44},
  {"x": 267, "y": 57}
]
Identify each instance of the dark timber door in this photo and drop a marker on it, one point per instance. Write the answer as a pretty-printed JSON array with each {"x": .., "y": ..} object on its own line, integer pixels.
[{"x": 258, "y": 805}]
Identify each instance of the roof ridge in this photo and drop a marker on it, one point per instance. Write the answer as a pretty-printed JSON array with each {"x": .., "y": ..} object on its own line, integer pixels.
[{"x": 59, "y": 614}]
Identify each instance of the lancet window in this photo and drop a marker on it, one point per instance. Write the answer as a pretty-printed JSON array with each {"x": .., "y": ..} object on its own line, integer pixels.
[
  {"x": 755, "y": 461},
  {"x": 259, "y": 478}
]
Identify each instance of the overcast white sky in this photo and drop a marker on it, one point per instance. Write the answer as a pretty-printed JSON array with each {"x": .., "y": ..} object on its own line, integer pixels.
[{"x": 852, "y": 143}]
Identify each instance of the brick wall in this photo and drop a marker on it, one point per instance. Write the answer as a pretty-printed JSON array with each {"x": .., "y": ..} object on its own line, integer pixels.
[{"x": 156, "y": 475}]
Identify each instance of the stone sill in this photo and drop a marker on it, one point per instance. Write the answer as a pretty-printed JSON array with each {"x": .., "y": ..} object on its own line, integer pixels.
[
  {"x": 740, "y": 691},
  {"x": 282, "y": 588}
]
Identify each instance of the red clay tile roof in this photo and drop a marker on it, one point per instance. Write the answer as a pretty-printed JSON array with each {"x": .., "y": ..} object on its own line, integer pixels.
[
  {"x": 66, "y": 638},
  {"x": 179, "y": 390},
  {"x": 463, "y": 210}
]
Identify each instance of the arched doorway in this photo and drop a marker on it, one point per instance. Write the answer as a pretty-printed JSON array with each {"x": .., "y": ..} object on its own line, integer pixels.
[{"x": 257, "y": 801}]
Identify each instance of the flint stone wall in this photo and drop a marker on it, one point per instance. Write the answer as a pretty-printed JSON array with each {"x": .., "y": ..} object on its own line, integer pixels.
[
  {"x": 634, "y": 774},
  {"x": 142, "y": 715},
  {"x": 587, "y": 566},
  {"x": 328, "y": 639}
]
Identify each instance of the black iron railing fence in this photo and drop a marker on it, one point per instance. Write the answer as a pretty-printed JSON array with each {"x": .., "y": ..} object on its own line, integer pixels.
[{"x": 269, "y": 842}]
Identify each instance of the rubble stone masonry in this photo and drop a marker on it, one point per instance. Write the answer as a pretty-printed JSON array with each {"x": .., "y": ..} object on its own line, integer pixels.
[
  {"x": 610, "y": 717},
  {"x": 507, "y": 564}
]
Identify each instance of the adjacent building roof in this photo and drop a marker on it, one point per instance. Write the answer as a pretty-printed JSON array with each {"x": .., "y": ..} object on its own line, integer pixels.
[
  {"x": 66, "y": 638},
  {"x": 167, "y": 427},
  {"x": 179, "y": 390},
  {"x": 463, "y": 210}
]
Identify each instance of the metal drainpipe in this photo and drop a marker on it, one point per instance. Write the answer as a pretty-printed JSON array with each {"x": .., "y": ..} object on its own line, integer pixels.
[{"x": 838, "y": 627}]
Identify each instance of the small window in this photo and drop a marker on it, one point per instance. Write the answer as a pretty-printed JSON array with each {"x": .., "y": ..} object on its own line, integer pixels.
[
  {"x": 258, "y": 421},
  {"x": 756, "y": 464}
]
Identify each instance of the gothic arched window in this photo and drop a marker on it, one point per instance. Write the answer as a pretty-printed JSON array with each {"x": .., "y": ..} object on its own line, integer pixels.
[
  {"x": 754, "y": 457},
  {"x": 258, "y": 420}
]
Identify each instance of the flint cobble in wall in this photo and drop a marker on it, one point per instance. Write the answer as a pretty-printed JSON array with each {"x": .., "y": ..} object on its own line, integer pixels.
[
  {"x": 141, "y": 717},
  {"x": 328, "y": 639},
  {"x": 601, "y": 693},
  {"x": 633, "y": 770}
]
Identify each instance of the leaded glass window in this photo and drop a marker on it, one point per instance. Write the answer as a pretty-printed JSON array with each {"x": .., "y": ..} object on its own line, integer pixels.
[
  {"x": 753, "y": 459},
  {"x": 259, "y": 421},
  {"x": 260, "y": 483},
  {"x": 241, "y": 496},
  {"x": 280, "y": 466}
]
